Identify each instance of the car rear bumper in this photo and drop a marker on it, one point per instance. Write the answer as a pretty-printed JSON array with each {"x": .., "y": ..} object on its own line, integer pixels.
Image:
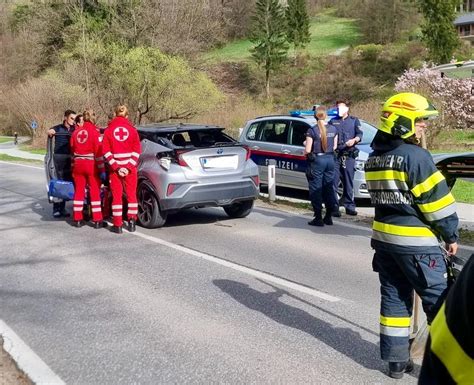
[{"x": 223, "y": 194}]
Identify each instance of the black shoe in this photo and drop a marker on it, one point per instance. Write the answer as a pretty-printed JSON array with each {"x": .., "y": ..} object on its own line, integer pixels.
[
  {"x": 116, "y": 229},
  {"x": 336, "y": 213},
  {"x": 132, "y": 225},
  {"x": 78, "y": 223},
  {"x": 316, "y": 222},
  {"x": 328, "y": 220},
  {"x": 99, "y": 225},
  {"x": 396, "y": 369},
  {"x": 351, "y": 212}
]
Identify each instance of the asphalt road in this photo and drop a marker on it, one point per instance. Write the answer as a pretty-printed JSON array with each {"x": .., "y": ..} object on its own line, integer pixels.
[{"x": 164, "y": 306}]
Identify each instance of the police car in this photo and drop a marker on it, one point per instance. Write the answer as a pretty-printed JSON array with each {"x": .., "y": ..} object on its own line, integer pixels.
[{"x": 281, "y": 137}]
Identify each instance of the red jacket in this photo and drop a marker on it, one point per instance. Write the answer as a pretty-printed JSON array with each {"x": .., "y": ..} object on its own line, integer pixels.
[
  {"x": 121, "y": 144},
  {"x": 85, "y": 144}
]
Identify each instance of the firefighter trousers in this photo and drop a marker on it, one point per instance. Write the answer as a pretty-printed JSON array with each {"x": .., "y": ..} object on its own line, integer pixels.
[
  {"x": 85, "y": 174},
  {"x": 399, "y": 275},
  {"x": 117, "y": 185}
]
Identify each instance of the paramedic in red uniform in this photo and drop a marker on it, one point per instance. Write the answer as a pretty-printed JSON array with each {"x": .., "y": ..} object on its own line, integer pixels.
[
  {"x": 121, "y": 146},
  {"x": 87, "y": 170}
]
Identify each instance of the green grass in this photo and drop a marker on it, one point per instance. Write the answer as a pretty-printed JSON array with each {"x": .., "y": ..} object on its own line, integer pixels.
[
  {"x": 40, "y": 151},
  {"x": 463, "y": 191},
  {"x": 4, "y": 139},
  {"x": 9, "y": 158},
  {"x": 328, "y": 34}
]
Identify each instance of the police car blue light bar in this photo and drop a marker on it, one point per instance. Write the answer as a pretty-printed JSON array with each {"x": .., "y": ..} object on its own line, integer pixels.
[{"x": 332, "y": 112}]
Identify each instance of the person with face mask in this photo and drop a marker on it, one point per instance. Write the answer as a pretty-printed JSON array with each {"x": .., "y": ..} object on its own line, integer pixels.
[
  {"x": 349, "y": 134},
  {"x": 321, "y": 141}
]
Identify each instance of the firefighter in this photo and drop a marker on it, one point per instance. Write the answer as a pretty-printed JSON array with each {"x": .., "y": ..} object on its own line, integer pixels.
[
  {"x": 413, "y": 208},
  {"x": 121, "y": 146},
  {"x": 88, "y": 168},
  {"x": 449, "y": 355}
]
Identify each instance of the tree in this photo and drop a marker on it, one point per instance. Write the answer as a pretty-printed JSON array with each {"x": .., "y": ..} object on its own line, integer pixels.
[
  {"x": 152, "y": 84},
  {"x": 297, "y": 24},
  {"x": 385, "y": 21},
  {"x": 438, "y": 29},
  {"x": 269, "y": 36}
]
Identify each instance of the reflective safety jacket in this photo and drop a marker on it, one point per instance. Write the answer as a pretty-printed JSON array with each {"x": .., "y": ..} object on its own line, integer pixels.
[
  {"x": 413, "y": 204},
  {"x": 449, "y": 355},
  {"x": 121, "y": 144},
  {"x": 85, "y": 145}
]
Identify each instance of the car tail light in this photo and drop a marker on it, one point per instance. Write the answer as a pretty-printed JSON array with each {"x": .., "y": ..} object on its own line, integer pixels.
[
  {"x": 256, "y": 180},
  {"x": 179, "y": 158},
  {"x": 247, "y": 155},
  {"x": 171, "y": 188}
]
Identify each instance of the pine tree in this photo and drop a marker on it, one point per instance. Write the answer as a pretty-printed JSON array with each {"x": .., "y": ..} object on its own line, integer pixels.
[
  {"x": 269, "y": 36},
  {"x": 297, "y": 24},
  {"x": 438, "y": 30}
]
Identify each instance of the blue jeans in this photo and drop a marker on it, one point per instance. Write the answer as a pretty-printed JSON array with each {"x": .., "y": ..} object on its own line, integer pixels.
[{"x": 320, "y": 181}]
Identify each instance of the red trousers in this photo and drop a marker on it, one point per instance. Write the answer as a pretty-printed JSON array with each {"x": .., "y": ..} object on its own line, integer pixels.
[
  {"x": 117, "y": 185},
  {"x": 85, "y": 173}
]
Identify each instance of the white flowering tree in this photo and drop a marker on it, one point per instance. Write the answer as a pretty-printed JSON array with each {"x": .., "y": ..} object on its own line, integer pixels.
[{"x": 452, "y": 97}]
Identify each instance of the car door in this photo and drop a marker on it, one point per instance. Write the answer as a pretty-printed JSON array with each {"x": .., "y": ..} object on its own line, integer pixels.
[
  {"x": 294, "y": 152},
  {"x": 270, "y": 136}
]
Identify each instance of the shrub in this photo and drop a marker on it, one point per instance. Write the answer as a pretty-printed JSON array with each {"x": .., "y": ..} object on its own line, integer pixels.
[{"x": 44, "y": 100}]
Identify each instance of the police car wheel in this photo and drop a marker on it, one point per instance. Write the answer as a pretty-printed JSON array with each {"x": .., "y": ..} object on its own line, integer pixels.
[
  {"x": 149, "y": 214},
  {"x": 239, "y": 209}
]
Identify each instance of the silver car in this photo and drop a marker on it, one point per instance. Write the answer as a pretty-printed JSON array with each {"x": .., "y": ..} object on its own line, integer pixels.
[
  {"x": 189, "y": 165},
  {"x": 281, "y": 137}
]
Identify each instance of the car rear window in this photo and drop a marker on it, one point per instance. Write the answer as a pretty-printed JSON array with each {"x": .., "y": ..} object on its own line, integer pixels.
[{"x": 192, "y": 138}]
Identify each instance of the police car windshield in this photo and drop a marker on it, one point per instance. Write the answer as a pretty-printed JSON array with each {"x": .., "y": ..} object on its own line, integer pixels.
[{"x": 369, "y": 132}]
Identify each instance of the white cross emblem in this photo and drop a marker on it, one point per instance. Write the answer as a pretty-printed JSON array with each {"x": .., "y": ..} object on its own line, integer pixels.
[{"x": 121, "y": 134}]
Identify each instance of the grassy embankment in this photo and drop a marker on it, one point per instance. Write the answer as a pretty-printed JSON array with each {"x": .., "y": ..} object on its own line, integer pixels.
[
  {"x": 5, "y": 139},
  {"x": 329, "y": 35}
]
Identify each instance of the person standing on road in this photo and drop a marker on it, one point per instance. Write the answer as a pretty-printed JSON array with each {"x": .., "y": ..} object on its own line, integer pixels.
[
  {"x": 15, "y": 142},
  {"x": 349, "y": 134},
  {"x": 321, "y": 141},
  {"x": 62, "y": 155},
  {"x": 88, "y": 168},
  {"x": 121, "y": 146},
  {"x": 413, "y": 207}
]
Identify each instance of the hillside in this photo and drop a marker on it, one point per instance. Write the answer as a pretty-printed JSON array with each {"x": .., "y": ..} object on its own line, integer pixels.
[{"x": 329, "y": 34}]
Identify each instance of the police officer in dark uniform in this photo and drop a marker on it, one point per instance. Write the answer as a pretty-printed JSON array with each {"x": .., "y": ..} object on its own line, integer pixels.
[
  {"x": 413, "y": 208},
  {"x": 349, "y": 134},
  {"x": 321, "y": 140},
  {"x": 62, "y": 155}
]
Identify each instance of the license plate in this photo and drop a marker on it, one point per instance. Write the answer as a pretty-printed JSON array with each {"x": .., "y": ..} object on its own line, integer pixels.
[{"x": 229, "y": 162}]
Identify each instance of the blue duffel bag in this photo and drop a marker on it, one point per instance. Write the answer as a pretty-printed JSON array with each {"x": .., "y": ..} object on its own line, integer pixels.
[{"x": 61, "y": 189}]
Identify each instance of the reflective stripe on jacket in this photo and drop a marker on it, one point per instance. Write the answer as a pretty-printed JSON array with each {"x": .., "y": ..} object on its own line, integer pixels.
[
  {"x": 449, "y": 355},
  {"x": 121, "y": 144},
  {"x": 413, "y": 204}
]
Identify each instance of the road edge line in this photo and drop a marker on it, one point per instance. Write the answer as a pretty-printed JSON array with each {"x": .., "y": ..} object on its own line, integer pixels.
[
  {"x": 22, "y": 165},
  {"x": 26, "y": 359},
  {"x": 243, "y": 269}
]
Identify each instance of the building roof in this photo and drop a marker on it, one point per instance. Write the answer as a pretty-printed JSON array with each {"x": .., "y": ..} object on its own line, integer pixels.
[{"x": 465, "y": 18}]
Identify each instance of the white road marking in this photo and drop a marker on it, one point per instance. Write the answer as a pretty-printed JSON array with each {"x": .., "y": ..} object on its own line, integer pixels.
[
  {"x": 21, "y": 165},
  {"x": 243, "y": 269},
  {"x": 26, "y": 359}
]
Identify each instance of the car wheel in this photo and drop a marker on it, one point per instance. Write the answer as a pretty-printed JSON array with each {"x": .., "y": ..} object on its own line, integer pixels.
[
  {"x": 239, "y": 209},
  {"x": 149, "y": 213}
]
